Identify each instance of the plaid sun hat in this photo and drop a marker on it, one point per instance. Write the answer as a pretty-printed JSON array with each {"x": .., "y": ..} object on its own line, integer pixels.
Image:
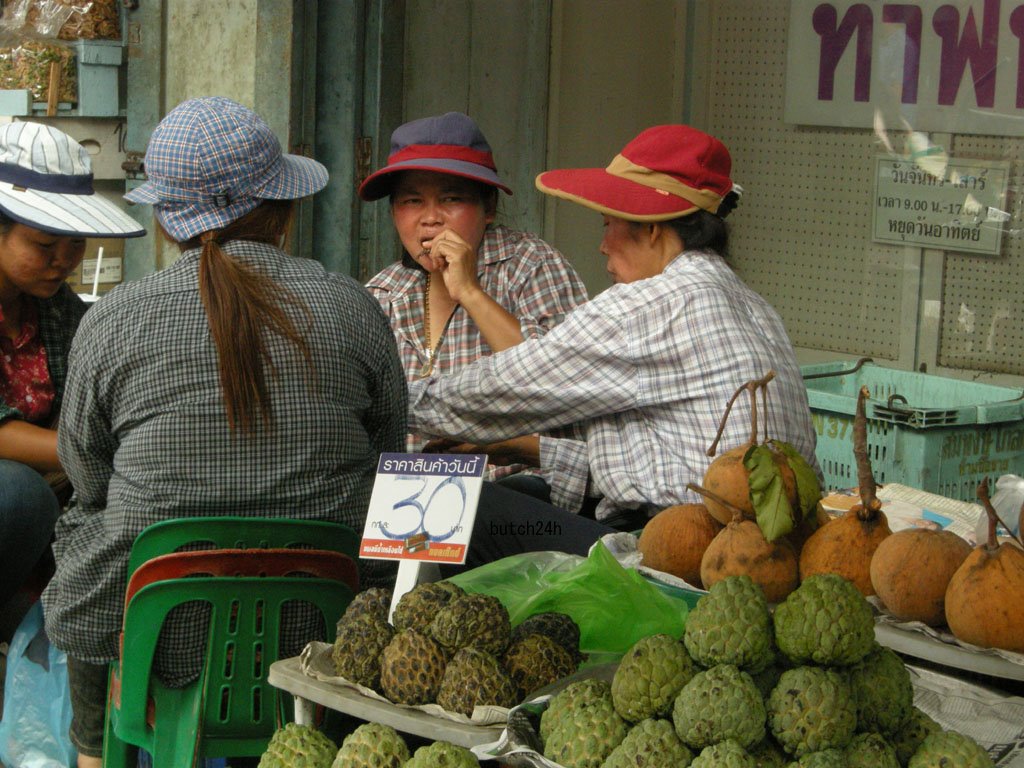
[
  {"x": 46, "y": 183},
  {"x": 210, "y": 161},
  {"x": 666, "y": 172},
  {"x": 451, "y": 143}
]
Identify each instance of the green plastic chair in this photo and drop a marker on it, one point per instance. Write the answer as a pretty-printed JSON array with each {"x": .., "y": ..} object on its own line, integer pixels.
[
  {"x": 234, "y": 532},
  {"x": 230, "y": 710}
]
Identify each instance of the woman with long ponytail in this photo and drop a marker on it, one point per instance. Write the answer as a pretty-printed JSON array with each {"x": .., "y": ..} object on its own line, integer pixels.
[{"x": 240, "y": 380}]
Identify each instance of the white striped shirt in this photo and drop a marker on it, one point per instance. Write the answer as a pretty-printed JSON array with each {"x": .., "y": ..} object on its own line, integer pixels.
[{"x": 645, "y": 371}]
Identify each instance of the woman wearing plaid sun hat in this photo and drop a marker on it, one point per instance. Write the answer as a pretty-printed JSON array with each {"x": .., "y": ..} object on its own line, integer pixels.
[
  {"x": 465, "y": 286},
  {"x": 240, "y": 380},
  {"x": 47, "y": 210},
  {"x": 644, "y": 370}
]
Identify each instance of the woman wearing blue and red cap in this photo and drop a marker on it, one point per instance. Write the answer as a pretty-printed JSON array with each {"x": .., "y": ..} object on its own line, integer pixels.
[
  {"x": 465, "y": 286},
  {"x": 644, "y": 370}
]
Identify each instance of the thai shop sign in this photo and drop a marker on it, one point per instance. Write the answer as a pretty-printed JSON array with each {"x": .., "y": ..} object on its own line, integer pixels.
[
  {"x": 950, "y": 66},
  {"x": 959, "y": 209}
]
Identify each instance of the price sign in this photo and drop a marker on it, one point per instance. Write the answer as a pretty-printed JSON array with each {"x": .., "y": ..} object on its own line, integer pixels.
[{"x": 422, "y": 507}]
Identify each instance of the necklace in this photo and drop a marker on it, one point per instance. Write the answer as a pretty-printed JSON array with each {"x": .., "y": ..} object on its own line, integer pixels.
[{"x": 428, "y": 367}]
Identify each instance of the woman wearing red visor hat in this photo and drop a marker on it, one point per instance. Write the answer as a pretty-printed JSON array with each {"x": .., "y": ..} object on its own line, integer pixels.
[{"x": 644, "y": 370}]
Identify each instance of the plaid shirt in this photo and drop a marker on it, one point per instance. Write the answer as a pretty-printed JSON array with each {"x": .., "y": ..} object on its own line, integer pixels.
[
  {"x": 645, "y": 370},
  {"x": 59, "y": 317},
  {"x": 521, "y": 272},
  {"x": 144, "y": 436}
]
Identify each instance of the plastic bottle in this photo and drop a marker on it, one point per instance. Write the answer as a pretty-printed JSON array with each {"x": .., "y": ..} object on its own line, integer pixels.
[{"x": 1006, "y": 501}]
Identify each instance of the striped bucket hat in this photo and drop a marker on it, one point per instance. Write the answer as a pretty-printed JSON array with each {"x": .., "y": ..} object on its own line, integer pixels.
[
  {"x": 666, "y": 172},
  {"x": 211, "y": 160},
  {"x": 46, "y": 183}
]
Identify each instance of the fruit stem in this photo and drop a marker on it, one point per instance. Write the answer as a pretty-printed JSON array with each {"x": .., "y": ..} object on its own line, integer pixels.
[
  {"x": 751, "y": 387},
  {"x": 737, "y": 513},
  {"x": 869, "y": 502},
  {"x": 993, "y": 517}
]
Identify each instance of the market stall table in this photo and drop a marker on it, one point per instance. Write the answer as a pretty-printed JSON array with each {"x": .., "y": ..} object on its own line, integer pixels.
[{"x": 308, "y": 691}]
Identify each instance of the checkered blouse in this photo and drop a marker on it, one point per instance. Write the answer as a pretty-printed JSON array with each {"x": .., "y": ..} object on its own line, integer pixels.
[{"x": 144, "y": 436}]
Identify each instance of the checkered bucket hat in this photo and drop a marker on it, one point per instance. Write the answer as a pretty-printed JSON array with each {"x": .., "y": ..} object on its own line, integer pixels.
[
  {"x": 46, "y": 183},
  {"x": 210, "y": 161}
]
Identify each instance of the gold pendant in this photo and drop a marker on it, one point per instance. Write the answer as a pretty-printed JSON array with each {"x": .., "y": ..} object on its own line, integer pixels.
[{"x": 427, "y": 369}]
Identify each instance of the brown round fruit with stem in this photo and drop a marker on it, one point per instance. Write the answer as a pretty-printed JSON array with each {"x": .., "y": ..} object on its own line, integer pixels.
[
  {"x": 727, "y": 478},
  {"x": 675, "y": 539},
  {"x": 983, "y": 599},
  {"x": 911, "y": 570},
  {"x": 845, "y": 545},
  {"x": 741, "y": 548}
]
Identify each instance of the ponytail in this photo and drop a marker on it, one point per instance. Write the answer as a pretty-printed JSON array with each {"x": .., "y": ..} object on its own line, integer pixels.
[{"x": 241, "y": 304}]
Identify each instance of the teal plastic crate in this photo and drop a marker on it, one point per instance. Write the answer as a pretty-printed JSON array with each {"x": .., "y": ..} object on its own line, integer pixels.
[{"x": 928, "y": 432}]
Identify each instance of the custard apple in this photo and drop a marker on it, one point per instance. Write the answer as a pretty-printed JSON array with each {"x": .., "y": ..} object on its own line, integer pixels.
[
  {"x": 768, "y": 754},
  {"x": 812, "y": 709},
  {"x": 883, "y": 692},
  {"x": 650, "y": 744},
  {"x": 534, "y": 661},
  {"x": 298, "y": 746},
  {"x": 909, "y": 737},
  {"x": 375, "y": 601},
  {"x": 870, "y": 750},
  {"x": 472, "y": 621},
  {"x": 718, "y": 704},
  {"x": 417, "y": 608},
  {"x": 585, "y": 734},
  {"x": 411, "y": 668},
  {"x": 947, "y": 749},
  {"x": 560, "y": 627},
  {"x": 826, "y": 758},
  {"x": 731, "y": 624},
  {"x": 372, "y": 745},
  {"x": 475, "y": 678},
  {"x": 825, "y": 620},
  {"x": 577, "y": 694},
  {"x": 724, "y": 754},
  {"x": 357, "y": 648},
  {"x": 443, "y": 754},
  {"x": 650, "y": 676}
]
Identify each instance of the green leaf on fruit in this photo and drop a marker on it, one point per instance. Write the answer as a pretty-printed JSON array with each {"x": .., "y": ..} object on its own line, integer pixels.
[
  {"x": 768, "y": 493},
  {"x": 808, "y": 489}
]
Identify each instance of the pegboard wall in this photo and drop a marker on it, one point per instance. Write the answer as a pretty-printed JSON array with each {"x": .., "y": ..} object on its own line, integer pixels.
[
  {"x": 801, "y": 235},
  {"x": 983, "y": 297}
]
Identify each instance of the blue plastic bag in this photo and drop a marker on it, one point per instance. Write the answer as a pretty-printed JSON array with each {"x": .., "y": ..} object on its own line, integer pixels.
[{"x": 37, "y": 704}]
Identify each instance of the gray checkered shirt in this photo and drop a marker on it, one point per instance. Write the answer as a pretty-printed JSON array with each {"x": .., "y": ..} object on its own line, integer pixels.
[
  {"x": 144, "y": 435},
  {"x": 644, "y": 371}
]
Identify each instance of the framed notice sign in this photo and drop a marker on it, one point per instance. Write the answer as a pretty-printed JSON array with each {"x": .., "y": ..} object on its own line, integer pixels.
[
  {"x": 963, "y": 208},
  {"x": 422, "y": 507}
]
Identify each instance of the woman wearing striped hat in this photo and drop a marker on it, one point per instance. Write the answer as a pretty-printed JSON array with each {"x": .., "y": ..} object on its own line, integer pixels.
[{"x": 47, "y": 210}]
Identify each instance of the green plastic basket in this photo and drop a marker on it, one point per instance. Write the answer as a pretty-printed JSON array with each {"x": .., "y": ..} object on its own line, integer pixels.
[{"x": 928, "y": 432}]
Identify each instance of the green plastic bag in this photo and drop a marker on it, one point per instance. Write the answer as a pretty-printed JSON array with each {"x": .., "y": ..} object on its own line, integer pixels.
[{"x": 613, "y": 606}]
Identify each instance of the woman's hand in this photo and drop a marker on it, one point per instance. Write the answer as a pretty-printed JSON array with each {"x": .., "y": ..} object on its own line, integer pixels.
[
  {"x": 457, "y": 261},
  {"x": 30, "y": 444},
  {"x": 518, "y": 450}
]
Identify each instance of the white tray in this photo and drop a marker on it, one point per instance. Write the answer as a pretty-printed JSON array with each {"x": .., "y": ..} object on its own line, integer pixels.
[
  {"x": 287, "y": 675},
  {"x": 919, "y": 645}
]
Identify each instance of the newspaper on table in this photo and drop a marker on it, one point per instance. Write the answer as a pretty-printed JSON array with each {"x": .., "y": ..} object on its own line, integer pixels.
[
  {"x": 994, "y": 720},
  {"x": 907, "y": 507}
]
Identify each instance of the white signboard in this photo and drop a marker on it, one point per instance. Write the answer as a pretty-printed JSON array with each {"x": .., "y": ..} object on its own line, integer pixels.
[
  {"x": 951, "y": 66},
  {"x": 962, "y": 208},
  {"x": 422, "y": 507}
]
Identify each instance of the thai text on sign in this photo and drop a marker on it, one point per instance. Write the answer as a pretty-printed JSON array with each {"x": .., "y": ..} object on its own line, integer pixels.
[{"x": 930, "y": 65}]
